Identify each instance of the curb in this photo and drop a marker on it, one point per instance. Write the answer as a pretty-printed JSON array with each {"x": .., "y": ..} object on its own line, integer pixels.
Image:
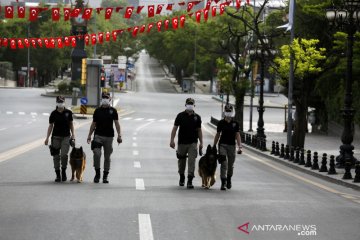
[
  {"x": 299, "y": 168},
  {"x": 247, "y": 105}
]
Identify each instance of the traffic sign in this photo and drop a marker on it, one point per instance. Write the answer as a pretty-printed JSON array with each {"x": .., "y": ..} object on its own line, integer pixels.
[
  {"x": 83, "y": 109},
  {"x": 84, "y": 100}
]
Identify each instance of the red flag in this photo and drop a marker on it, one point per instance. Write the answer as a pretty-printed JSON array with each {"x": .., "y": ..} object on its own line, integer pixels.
[
  {"x": 142, "y": 28},
  {"x": 75, "y": 12},
  {"x": 101, "y": 37},
  {"x": 151, "y": 11},
  {"x": 238, "y": 4},
  {"x": 129, "y": 29},
  {"x": 139, "y": 8},
  {"x": 46, "y": 41},
  {"x": 213, "y": 11},
  {"x": 159, "y": 8},
  {"x": 166, "y": 24},
  {"x": 27, "y": 42},
  {"x": 5, "y": 42},
  {"x": 216, "y": 1},
  {"x": 55, "y": 13},
  {"x": 208, "y": 4},
  {"x": 181, "y": 3},
  {"x": 67, "y": 41},
  {"x": 182, "y": 21},
  {"x": 114, "y": 35},
  {"x": 117, "y": 9},
  {"x": 21, "y": 11},
  {"x": 108, "y": 12},
  {"x": 190, "y": 15},
  {"x": 39, "y": 42},
  {"x": 34, "y": 13},
  {"x": 13, "y": 43},
  {"x": 93, "y": 39},
  {"x": 87, "y": 13},
  {"x": 98, "y": 10},
  {"x": 158, "y": 24},
  {"x": 135, "y": 31},
  {"x": 52, "y": 42},
  {"x": 248, "y": 2},
  {"x": 175, "y": 23},
  {"x": 107, "y": 36},
  {"x": 0, "y": 38},
  {"x": 198, "y": 16},
  {"x": 86, "y": 39},
  {"x": 150, "y": 26},
  {"x": 66, "y": 14},
  {"x": 128, "y": 12},
  {"x": 9, "y": 12},
  {"x": 206, "y": 14},
  {"x": 169, "y": 7},
  {"x": 20, "y": 44},
  {"x": 190, "y": 5},
  {"x": 73, "y": 42},
  {"x": 222, "y": 8},
  {"x": 33, "y": 42},
  {"x": 59, "y": 43}
]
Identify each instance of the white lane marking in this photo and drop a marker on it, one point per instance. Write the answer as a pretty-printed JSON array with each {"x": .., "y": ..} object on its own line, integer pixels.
[
  {"x": 137, "y": 165},
  {"x": 135, "y": 152},
  {"x": 127, "y": 118},
  {"x": 139, "y": 183},
  {"x": 21, "y": 113},
  {"x": 8, "y": 112},
  {"x": 33, "y": 114},
  {"x": 2, "y": 129},
  {"x": 150, "y": 119},
  {"x": 144, "y": 125},
  {"x": 145, "y": 228},
  {"x": 138, "y": 119},
  {"x": 162, "y": 120},
  {"x": 134, "y": 144},
  {"x": 134, "y": 138},
  {"x": 46, "y": 114}
]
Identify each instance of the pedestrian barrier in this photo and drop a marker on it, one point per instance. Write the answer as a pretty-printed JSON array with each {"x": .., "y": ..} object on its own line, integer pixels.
[{"x": 83, "y": 109}]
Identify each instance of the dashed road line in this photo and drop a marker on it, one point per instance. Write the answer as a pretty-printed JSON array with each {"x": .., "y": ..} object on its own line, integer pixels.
[
  {"x": 139, "y": 184},
  {"x": 139, "y": 119},
  {"x": 134, "y": 144},
  {"x": 8, "y": 112},
  {"x": 145, "y": 228},
  {"x": 21, "y": 113},
  {"x": 137, "y": 165},
  {"x": 135, "y": 152}
]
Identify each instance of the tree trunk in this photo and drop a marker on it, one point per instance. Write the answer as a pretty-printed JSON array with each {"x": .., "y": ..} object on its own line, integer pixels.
[{"x": 300, "y": 124}]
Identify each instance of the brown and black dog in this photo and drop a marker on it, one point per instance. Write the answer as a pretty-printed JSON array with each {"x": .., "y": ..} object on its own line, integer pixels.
[
  {"x": 207, "y": 167},
  {"x": 77, "y": 162}
]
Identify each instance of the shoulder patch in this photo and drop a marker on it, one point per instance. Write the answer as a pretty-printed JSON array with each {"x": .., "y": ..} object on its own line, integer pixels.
[
  {"x": 111, "y": 111},
  {"x": 67, "y": 114},
  {"x": 234, "y": 124},
  {"x": 195, "y": 118}
]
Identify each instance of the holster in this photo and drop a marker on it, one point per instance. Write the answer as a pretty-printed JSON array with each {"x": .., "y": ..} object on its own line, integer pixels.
[
  {"x": 95, "y": 145},
  {"x": 54, "y": 151}
]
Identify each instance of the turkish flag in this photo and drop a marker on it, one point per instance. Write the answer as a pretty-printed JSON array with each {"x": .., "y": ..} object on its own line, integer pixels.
[
  {"x": 13, "y": 43},
  {"x": 128, "y": 12},
  {"x": 238, "y": 4},
  {"x": 34, "y": 13},
  {"x": 86, "y": 38},
  {"x": 9, "y": 11},
  {"x": 5, "y": 42},
  {"x": 101, "y": 37},
  {"x": 39, "y": 42},
  {"x": 46, "y": 41},
  {"x": 139, "y": 8},
  {"x": 213, "y": 11},
  {"x": 150, "y": 26},
  {"x": 158, "y": 24},
  {"x": 166, "y": 24},
  {"x": 208, "y": 4},
  {"x": 98, "y": 10},
  {"x": 181, "y": 3},
  {"x": 182, "y": 21},
  {"x": 206, "y": 14},
  {"x": 117, "y": 9},
  {"x": 87, "y": 13},
  {"x": 27, "y": 42},
  {"x": 73, "y": 42},
  {"x": 21, "y": 12},
  {"x": 20, "y": 44},
  {"x": 66, "y": 14},
  {"x": 142, "y": 28},
  {"x": 93, "y": 39},
  {"x": 222, "y": 8},
  {"x": 190, "y": 5},
  {"x": 108, "y": 12},
  {"x": 33, "y": 42},
  {"x": 55, "y": 13},
  {"x": 175, "y": 23},
  {"x": 52, "y": 43},
  {"x": 107, "y": 36},
  {"x": 151, "y": 11},
  {"x": 159, "y": 8},
  {"x": 169, "y": 7},
  {"x": 59, "y": 43},
  {"x": 114, "y": 35},
  {"x": 75, "y": 12},
  {"x": 198, "y": 16},
  {"x": 67, "y": 41},
  {"x": 135, "y": 31}
]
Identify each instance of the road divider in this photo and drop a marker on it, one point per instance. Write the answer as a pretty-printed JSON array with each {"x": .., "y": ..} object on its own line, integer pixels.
[{"x": 145, "y": 228}]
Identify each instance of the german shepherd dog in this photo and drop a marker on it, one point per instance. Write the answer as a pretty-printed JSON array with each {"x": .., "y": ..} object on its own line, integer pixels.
[
  {"x": 207, "y": 167},
  {"x": 77, "y": 162}
]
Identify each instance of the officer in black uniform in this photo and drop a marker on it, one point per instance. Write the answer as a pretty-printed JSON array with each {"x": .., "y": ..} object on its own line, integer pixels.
[
  {"x": 189, "y": 133},
  {"x": 227, "y": 131},
  {"x": 60, "y": 125},
  {"x": 103, "y": 120}
]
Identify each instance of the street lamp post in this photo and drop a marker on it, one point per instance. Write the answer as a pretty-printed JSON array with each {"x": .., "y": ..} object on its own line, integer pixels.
[{"x": 347, "y": 17}]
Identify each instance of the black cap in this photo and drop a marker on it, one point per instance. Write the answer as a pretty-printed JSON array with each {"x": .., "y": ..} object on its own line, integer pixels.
[
  {"x": 228, "y": 108},
  {"x": 60, "y": 99},
  {"x": 105, "y": 95},
  {"x": 190, "y": 101}
]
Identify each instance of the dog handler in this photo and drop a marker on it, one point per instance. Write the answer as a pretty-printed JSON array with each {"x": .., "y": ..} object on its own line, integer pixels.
[
  {"x": 60, "y": 125},
  {"x": 103, "y": 119},
  {"x": 227, "y": 131},
  {"x": 189, "y": 124}
]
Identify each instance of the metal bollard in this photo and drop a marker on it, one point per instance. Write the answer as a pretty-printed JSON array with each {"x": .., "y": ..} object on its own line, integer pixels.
[
  {"x": 297, "y": 155},
  {"x": 347, "y": 174},
  {"x": 324, "y": 163},
  {"x": 357, "y": 172},
  {"x": 272, "y": 148},
  {"x": 308, "y": 159},
  {"x": 282, "y": 151},
  {"x": 292, "y": 158},
  {"x": 277, "y": 149},
  {"x": 332, "y": 169},
  {"x": 302, "y": 157},
  {"x": 287, "y": 153},
  {"x": 315, "y": 165}
]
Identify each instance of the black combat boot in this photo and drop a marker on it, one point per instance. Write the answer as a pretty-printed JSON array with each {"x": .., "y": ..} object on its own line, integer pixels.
[
  {"x": 63, "y": 174},
  {"x": 228, "y": 182},
  {"x": 97, "y": 175},
  {"x": 105, "y": 180},
  {"x": 182, "y": 180},
  {"x": 58, "y": 176},
  {"x": 189, "y": 182},
  {"x": 223, "y": 184}
]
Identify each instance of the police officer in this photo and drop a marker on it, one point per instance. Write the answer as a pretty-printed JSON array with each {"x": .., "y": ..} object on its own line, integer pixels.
[
  {"x": 227, "y": 131},
  {"x": 103, "y": 120},
  {"x": 189, "y": 124},
  {"x": 60, "y": 126}
]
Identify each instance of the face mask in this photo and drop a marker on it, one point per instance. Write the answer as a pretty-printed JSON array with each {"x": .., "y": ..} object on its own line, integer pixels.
[
  {"x": 228, "y": 114},
  {"x": 105, "y": 101},
  {"x": 60, "y": 105},
  {"x": 189, "y": 107}
]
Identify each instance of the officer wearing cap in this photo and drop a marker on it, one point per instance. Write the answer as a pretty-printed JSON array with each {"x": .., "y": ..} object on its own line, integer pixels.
[
  {"x": 60, "y": 126},
  {"x": 227, "y": 131},
  {"x": 102, "y": 126},
  {"x": 189, "y": 124}
]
